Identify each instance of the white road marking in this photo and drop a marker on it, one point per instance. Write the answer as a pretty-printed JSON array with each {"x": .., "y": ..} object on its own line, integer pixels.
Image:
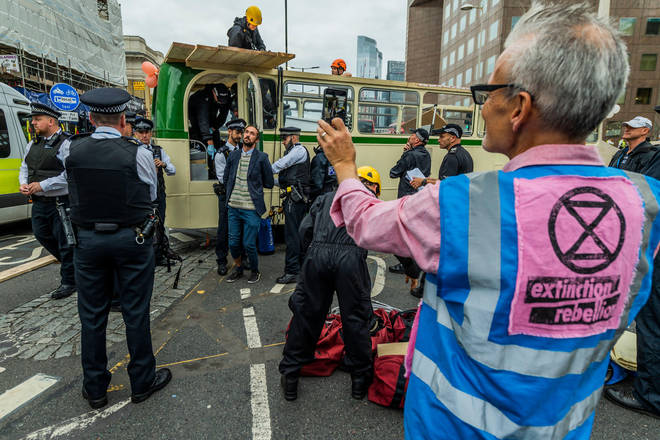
[
  {"x": 181, "y": 236},
  {"x": 21, "y": 394},
  {"x": 260, "y": 410},
  {"x": 2, "y": 369},
  {"x": 277, "y": 288},
  {"x": 251, "y": 329},
  {"x": 75, "y": 423},
  {"x": 261, "y": 429},
  {"x": 36, "y": 252},
  {"x": 379, "y": 282}
]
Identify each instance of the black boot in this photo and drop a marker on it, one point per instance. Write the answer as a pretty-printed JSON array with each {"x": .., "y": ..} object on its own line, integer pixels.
[
  {"x": 290, "y": 386},
  {"x": 360, "y": 384}
]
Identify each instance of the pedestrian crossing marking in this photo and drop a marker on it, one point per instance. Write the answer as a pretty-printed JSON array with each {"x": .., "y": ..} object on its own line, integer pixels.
[{"x": 21, "y": 394}]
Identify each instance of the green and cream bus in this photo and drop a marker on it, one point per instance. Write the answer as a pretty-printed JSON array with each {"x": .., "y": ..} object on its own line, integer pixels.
[{"x": 382, "y": 114}]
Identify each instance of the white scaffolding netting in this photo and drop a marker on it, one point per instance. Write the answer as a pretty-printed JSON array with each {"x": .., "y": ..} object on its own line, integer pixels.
[{"x": 67, "y": 31}]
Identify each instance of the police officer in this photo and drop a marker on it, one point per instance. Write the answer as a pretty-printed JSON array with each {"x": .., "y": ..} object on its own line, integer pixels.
[
  {"x": 42, "y": 177},
  {"x": 293, "y": 180},
  {"x": 333, "y": 263},
  {"x": 322, "y": 175},
  {"x": 113, "y": 183},
  {"x": 130, "y": 123},
  {"x": 415, "y": 156},
  {"x": 244, "y": 32},
  {"x": 456, "y": 161},
  {"x": 235, "y": 129}
]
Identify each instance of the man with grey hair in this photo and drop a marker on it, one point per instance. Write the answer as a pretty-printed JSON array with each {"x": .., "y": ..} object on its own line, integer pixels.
[
  {"x": 639, "y": 151},
  {"x": 546, "y": 264}
]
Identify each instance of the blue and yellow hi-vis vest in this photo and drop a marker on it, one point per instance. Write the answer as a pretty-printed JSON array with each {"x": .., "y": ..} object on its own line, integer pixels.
[{"x": 540, "y": 271}]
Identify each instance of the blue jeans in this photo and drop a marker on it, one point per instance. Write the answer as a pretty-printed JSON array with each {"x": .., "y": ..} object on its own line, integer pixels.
[{"x": 246, "y": 221}]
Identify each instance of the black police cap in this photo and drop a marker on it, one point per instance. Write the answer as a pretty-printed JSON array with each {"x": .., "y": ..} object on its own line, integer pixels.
[
  {"x": 453, "y": 129},
  {"x": 107, "y": 100},
  {"x": 289, "y": 130},
  {"x": 38, "y": 109},
  {"x": 143, "y": 124},
  {"x": 422, "y": 134},
  {"x": 657, "y": 108},
  {"x": 236, "y": 124},
  {"x": 130, "y": 117}
]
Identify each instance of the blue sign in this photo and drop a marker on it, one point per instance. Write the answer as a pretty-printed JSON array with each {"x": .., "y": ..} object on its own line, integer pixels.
[{"x": 64, "y": 97}]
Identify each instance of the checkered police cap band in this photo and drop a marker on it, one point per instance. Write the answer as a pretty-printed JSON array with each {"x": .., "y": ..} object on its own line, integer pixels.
[
  {"x": 452, "y": 130},
  {"x": 107, "y": 110},
  {"x": 40, "y": 109}
]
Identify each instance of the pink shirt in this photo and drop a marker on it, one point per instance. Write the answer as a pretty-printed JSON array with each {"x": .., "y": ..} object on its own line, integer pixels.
[{"x": 410, "y": 226}]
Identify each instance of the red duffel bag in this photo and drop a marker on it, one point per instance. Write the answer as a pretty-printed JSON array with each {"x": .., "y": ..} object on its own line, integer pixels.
[
  {"x": 329, "y": 349},
  {"x": 389, "y": 385}
]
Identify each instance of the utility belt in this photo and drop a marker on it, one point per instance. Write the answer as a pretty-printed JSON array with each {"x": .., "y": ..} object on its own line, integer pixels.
[
  {"x": 295, "y": 193},
  {"x": 143, "y": 231},
  {"x": 45, "y": 199},
  {"x": 219, "y": 189},
  {"x": 105, "y": 227}
]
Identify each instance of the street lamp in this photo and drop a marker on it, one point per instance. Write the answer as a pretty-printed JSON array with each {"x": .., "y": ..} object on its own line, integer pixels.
[{"x": 302, "y": 69}]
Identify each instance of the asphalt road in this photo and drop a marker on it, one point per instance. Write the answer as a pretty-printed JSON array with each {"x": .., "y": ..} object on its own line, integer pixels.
[{"x": 223, "y": 344}]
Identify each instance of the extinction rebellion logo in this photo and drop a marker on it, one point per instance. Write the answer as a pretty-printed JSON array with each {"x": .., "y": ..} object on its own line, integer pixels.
[{"x": 587, "y": 230}]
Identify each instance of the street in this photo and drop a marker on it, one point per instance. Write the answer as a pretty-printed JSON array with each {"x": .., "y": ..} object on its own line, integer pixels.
[{"x": 222, "y": 342}]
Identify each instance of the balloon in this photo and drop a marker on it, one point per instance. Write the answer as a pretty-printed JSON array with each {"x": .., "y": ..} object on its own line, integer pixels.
[
  {"x": 148, "y": 68},
  {"x": 151, "y": 81}
]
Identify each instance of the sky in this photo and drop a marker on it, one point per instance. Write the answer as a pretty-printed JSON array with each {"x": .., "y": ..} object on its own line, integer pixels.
[{"x": 319, "y": 31}]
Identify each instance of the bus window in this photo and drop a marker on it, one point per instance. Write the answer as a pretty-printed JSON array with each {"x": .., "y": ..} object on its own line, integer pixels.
[
  {"x": 377, "y": 119},
  {"x": 5, "y": 147},
  {"x": 269, "y": 102},
  {"x": 310, "y": 97},
  {"x": 439, "y": 109},
  {"x": 389, "y": 96},
  {"x": 408, "y": 120},
  {"x": 459, "y": 117}
]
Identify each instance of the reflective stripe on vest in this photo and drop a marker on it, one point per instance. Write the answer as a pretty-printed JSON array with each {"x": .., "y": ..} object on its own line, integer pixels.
[{"x": 487, "y": 385}]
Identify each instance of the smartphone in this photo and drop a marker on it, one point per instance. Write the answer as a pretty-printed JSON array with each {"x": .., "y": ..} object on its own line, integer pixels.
[{"x": 335, "y": 105}]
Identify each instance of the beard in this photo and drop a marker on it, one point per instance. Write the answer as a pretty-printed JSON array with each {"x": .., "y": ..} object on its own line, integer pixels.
[{"x": 247, "y": 143}]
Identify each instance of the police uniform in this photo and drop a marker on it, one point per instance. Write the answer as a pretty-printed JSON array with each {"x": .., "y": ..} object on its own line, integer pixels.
[
  {"x": 457, "y": 160},
  {"x": 44, "y": 163},
  {"x": 220, "y": 161},
  {"x": 144, "y": 124},
  {"x": 293, "y": 170},
  {"x": 323, "y": 178},
  {"x": 112, "y": 181}
]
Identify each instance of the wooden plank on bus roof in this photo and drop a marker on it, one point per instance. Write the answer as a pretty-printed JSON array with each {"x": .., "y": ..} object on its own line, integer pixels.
[
  {"x": 202, "y": 57},
  {"x": 178, "y": 52}
]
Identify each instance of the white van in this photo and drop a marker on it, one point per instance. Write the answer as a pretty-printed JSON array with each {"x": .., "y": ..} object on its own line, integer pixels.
[{"x": 14, "y": 120}]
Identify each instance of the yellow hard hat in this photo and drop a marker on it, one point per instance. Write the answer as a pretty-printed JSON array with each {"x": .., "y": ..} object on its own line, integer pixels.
[
  {"x": 370, "y": 175},
  {"x": 253, "y": 15}
]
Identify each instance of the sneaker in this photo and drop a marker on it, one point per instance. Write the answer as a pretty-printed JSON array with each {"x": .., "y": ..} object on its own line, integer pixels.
[
  {"x": 234, "y": 275},
  {"x": 255, "y": 276}
]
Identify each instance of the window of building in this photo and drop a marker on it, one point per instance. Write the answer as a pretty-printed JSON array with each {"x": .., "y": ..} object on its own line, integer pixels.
[
  {"x": 473, "y": 15},
  {"x": 649, "y": 62},
  {"x": 643, "y": 96},
  {"x": 493, "y": 30},
  {"x": 470, "y": 46},
  {"x": 479, "y": 71},
  {"x": 462, "y": 23},
  {"x": 444, "y": 63},
  {"x": 495, "y": 2},
  {"x": 514, "y": 21},
  {"x": 653, "y": 26},
  {"x": 627, "y": 26},
  {"x": 468, "y": 76},
  {"x": 445, "y": 37},
  {"x": 447, "y": 10},
  {"x": 482, "y": 38},
  {"x": 450, "y": 83},
  {"x": 461, "y": 52},
  {"x": 455, "y": 5},
  {"x": 466, "y": 102},
  {"x": 452, "y": 58},
  {"x": 459, "y": 80},
  {"x": 5, "y": 146},
  {"x": 453, "y": 30},
  {"x": 490, "y": 65}
]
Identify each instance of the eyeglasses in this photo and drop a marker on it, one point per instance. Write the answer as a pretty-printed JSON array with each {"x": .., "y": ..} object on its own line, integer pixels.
[{"x": 481, "y": 92}]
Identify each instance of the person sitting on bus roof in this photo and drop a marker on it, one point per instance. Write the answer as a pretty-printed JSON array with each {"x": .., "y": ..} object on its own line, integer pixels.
[
  {"x": 244, "y": 32},
  {"x": 338, "y": 67}
]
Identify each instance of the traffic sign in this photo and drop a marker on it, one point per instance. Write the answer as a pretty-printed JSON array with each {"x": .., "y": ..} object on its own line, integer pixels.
[
  {"x": 64, "y": 97},
  {"x": 69, "y": 117}
]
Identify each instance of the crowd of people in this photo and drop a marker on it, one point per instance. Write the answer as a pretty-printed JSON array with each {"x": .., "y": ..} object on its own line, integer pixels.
[{"x": 530, "y": 273}]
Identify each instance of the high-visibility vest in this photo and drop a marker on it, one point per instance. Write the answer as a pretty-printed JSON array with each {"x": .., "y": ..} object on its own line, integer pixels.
[{"x": 540, "y": 271}]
